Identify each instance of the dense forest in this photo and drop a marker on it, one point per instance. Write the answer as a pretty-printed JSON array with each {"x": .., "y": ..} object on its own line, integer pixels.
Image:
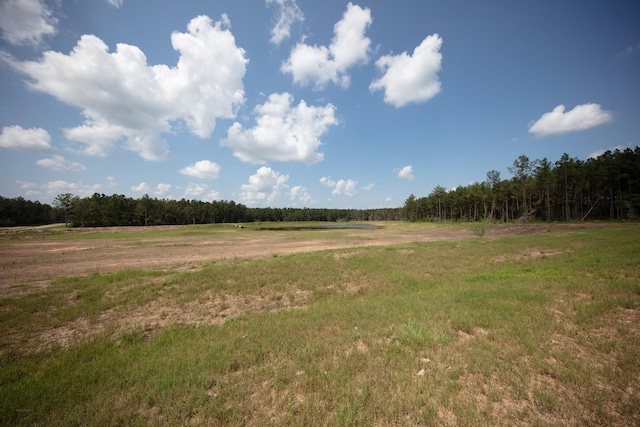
[
  {"x": 101, "y": 210},
  {"x": 606, "y": 187}
]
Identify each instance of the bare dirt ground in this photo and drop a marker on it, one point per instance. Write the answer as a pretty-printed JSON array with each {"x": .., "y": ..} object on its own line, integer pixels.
[{"x": 34, "y": 260}]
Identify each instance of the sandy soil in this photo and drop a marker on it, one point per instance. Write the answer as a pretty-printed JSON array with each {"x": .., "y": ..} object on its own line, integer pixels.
[{"x": 35, "y": 261}]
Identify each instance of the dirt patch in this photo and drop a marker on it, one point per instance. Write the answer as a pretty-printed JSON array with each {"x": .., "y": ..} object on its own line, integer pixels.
[
  {"x": 31, "y": 263},
  {"x": 529, "y": 253},
  {"x": 208, "y": 310},
  {"x": 340, "y": 255}
]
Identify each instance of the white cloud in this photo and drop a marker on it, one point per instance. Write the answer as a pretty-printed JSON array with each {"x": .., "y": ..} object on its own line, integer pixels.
[
  {"x": 26, "y": 22},
  {"x": 116, "y": 3},
  {"x": 283, "y": 132},
  {"x": 123, "y": 98},
  {"x": 582, "y": 117},
  {"x": 111, "y": 182},
  {"x": 327, "y": 181},
  {"x": 629, "y": 51},
  {"x": 194, "y": 190},
  {"x": 211, "y": 196},
  {"x": 345, "y": 188},
  {"x": 319, "y": 65},
  {"x": 59, "y": 163},
  {"x": 406, "y": 173},
  {"x": 288, "y": 14},
  {"x": 265, "y": 185},
  {"x": 341, "y": 187},
  {"x": 411, "y": 78},
  {"x": 143, "y": 187},
  {"x": 17, "y": 138},
  {"x": 600, "y": 152},
  {"x": 203, "y": 169},
  {"x": 299, "y": 193},
  {"x": 30, "y": 188},
  {"x": 368, "y": 187},
  {"x": 162, "y": 189},
  {"x": 625, "y": 53},
  {"x": 79, "y": 189},
  {"x": 26, "y": 185}
]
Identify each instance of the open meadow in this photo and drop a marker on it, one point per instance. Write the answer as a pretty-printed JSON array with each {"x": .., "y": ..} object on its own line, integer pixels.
[{"x": 403, "y": 324}]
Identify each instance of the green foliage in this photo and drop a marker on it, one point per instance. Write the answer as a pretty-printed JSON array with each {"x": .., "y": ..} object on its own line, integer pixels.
[
  {"x": 606, "y": 187},
  {"x": 18, "y": 211}
]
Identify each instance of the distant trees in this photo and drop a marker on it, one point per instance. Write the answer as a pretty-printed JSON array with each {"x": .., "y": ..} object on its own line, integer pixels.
[
  {"x": 18, "y": 211},
  {"x": 101, "y": 210},
  {"x": 606, "y": 187}
]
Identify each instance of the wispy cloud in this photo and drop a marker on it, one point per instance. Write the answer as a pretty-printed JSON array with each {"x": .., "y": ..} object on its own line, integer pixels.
[
  {"x": 288, "y": 14},
  {"x": 78, "y": 188},
  {"x": 627, "y": 52},
  {"x": 116, "y": 3},
  {"x": 59, "y": 163}
]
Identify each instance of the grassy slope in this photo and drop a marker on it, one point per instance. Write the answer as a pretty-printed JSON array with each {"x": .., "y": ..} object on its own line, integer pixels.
[{"x": 540, "y": 329}]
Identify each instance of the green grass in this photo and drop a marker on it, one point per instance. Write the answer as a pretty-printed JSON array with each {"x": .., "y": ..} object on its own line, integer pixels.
[{"x": 538, "y": 329}]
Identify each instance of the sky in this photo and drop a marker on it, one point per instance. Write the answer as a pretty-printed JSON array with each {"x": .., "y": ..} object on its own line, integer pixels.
[{"x": 302, "y": 103}]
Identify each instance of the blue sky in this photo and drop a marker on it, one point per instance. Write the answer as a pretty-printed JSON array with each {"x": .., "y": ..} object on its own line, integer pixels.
[{"x": 305, "y": 103}]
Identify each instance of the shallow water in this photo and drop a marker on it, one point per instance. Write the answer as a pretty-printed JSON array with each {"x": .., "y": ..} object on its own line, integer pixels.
[{"x": 321, "y": 227}]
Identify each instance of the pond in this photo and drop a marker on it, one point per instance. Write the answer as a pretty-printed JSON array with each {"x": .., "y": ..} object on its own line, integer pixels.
[{"x": 320, "y": 227}]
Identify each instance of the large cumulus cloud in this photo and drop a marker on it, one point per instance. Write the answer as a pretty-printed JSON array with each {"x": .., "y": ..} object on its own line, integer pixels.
[
  {"x": 284, "y": 132},
  {"x": 122, "y": 98}
]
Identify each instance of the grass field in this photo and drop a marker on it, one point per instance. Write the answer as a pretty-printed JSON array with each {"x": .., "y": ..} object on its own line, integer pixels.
[{"x": 535, "y": 329}]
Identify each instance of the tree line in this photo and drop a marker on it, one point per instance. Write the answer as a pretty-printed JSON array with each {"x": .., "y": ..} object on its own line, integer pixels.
[
  {"x": 100, "y": 210},
  {"x": 606, "y": 187},
  {"x": 19, "y": 211},
  {"x": 602, "y": 188}
]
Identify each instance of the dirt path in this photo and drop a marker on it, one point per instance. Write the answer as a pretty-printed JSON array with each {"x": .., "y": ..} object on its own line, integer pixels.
[{"x": 30, "y": 262}]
